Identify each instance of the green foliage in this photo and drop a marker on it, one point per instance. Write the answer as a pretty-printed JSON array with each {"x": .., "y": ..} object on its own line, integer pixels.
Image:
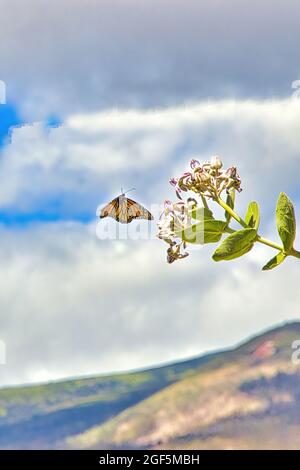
[
  {"x": 230, "y": 202},
  {"x": 235, "y": 245},
  {"x": 206, "y": 230},
  {"x": 274, "y": 262},
  {"x": 201, "y": 213},
  {"x": 286, "y": 221},
  {"x": 253, "y": 215},
  {"x": 203, "y": 232}
]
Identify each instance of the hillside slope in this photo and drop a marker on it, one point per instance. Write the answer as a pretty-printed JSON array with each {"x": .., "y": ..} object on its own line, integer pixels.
[
  {"x": 240, "y": 398},
  {"x": 42, "y": 416},
  {"x": 245, "y": 398}
]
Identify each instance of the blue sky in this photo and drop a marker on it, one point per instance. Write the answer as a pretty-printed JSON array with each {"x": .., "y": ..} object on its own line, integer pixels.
[
  {"x": 8, "y": 118},
  {"x": 123, "y": 94}
]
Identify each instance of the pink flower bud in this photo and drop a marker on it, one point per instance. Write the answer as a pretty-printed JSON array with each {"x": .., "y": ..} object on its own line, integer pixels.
[{"x": 173, "y": 182}]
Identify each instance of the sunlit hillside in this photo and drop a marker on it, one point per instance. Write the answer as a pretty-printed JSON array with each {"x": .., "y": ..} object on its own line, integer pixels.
[{"x": 247, "y": 397}]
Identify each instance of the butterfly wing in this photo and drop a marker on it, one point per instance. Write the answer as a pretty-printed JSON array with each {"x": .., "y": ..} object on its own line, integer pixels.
[
  {"x": 136, "y": 211},
  {"x": 124, "y": 210},
  {"x": 111, "y": 209}
]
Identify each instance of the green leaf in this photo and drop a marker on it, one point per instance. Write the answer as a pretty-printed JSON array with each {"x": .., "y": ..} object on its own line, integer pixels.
[
  {"x": 203, "y": 232},
  {"x": 236, "y": 245},
  {"x": 253, "y": 216},
  {"x": 201, "y": 213},
  {"x": 286, "y": 221},
  {"x": 274, "y": 262},
  {"x": 230, "y": 202}
]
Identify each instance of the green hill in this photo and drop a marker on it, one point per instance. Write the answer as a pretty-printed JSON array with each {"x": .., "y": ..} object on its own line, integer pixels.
[{"x": 241, "y": 398}]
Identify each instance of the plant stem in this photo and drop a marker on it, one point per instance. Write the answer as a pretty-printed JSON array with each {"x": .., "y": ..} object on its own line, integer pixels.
[
  {"x": 229, "y": 230},
  {"x": 231, "y": 212},
  {"x": 260, "y": 239},
  {"x": 204, "y": 201},
  {"x": 265, "y": 241},
  {"x": 295, "y": 253}
]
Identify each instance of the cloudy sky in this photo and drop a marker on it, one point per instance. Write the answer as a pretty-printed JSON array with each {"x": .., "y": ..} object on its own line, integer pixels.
[{"x": 105, "y": 94}]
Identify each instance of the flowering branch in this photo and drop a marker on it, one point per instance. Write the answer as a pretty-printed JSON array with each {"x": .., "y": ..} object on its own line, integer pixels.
[
  {"x": 185, "y": 222},
  {"x": 243, "y": 223}
]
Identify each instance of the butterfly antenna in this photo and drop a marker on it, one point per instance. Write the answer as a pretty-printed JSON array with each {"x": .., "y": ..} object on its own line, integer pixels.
[{"x": 129, "y": 190}]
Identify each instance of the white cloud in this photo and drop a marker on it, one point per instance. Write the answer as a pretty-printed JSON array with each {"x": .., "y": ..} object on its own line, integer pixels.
[
  {"x": 74, "y": 305},
  {"x": 93, "y": 154}
]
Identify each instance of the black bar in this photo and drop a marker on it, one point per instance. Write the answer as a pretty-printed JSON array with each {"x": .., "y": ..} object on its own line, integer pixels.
[{"x": 133, "y": 459}]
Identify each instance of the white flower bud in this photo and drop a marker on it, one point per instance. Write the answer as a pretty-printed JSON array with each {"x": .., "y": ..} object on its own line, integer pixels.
[{"x": 215, "y": 163}]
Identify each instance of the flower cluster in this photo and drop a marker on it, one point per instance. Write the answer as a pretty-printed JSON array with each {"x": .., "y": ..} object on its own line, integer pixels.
[
  {"x": 208, "y": 180},
  {"x": 174, "y": 219},
  {"x": 183, "y": 222}
]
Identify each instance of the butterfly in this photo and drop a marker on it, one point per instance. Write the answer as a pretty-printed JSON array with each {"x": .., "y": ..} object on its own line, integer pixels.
[{"x": 124, "y": 210}]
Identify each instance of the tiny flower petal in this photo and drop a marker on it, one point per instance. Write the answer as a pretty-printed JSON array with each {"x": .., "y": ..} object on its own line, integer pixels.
[
  {"x": 194, "y": 163},
  {"x": 173, "y": 181},
  {"x": 168, "y": 205}
]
